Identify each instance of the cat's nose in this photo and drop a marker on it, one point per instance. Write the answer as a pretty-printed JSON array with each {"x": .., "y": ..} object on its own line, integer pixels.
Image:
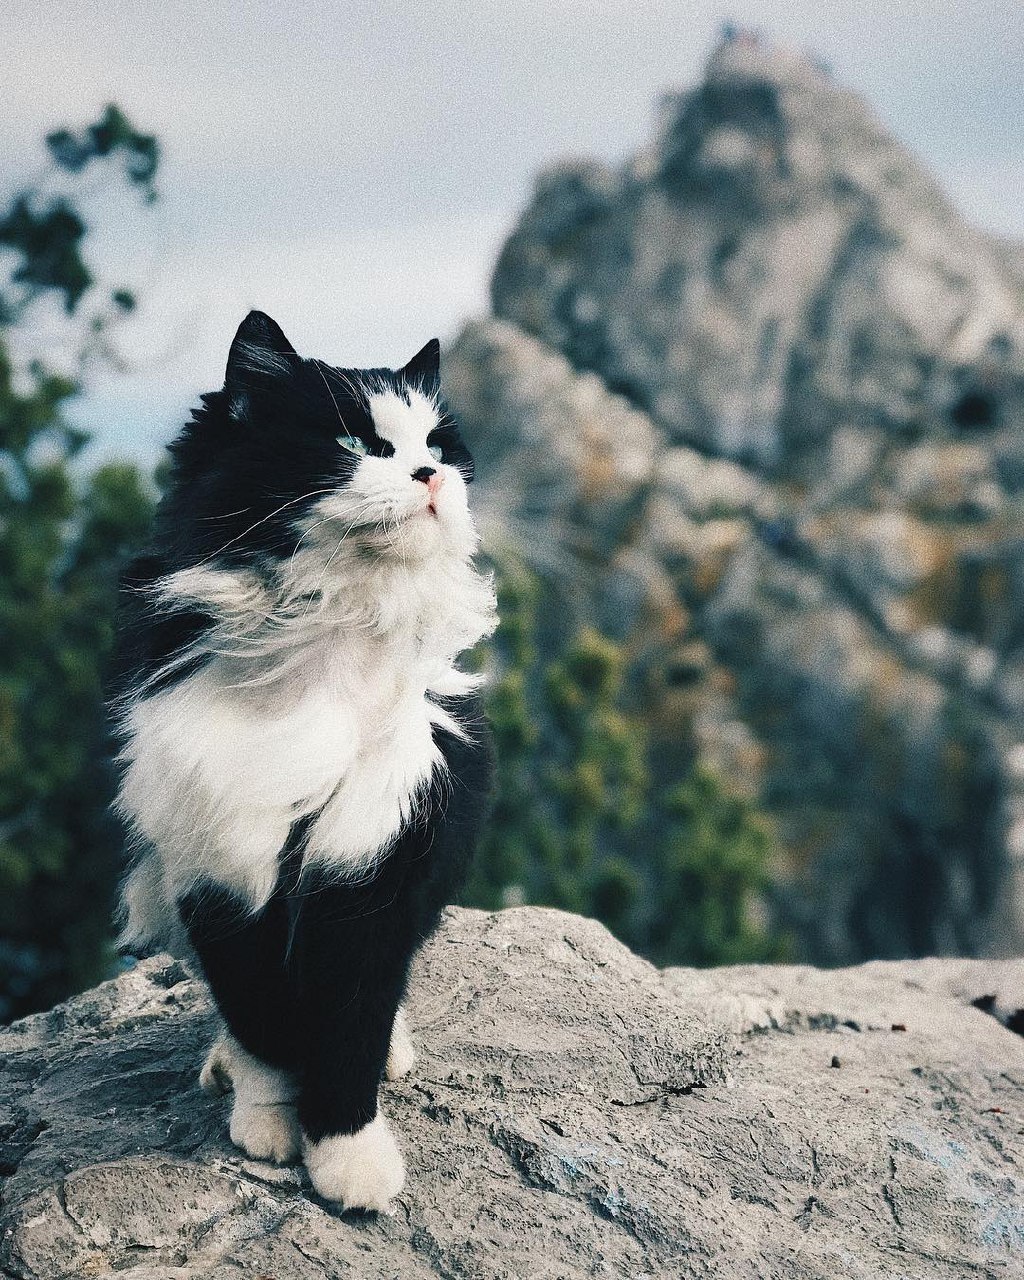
[{"x": 431, "y": 477}]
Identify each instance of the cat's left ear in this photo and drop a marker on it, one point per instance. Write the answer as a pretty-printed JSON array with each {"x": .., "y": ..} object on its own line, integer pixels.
[
  {"x": 259, "y": 353},
  {"x": 424, "y": 369}
]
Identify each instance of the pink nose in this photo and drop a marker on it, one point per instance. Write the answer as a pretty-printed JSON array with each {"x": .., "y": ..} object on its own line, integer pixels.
[{"x": 431, "y": 477}]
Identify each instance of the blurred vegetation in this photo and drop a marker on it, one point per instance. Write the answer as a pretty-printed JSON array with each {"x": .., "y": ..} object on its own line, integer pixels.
[
  {"x": 676, "y": 870},
  {"x": 65, "y": 530},
  {"x": 584, "y": 822}
]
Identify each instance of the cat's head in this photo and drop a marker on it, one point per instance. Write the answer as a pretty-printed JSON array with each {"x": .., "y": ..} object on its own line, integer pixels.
[{"x": 296, "y": 456}]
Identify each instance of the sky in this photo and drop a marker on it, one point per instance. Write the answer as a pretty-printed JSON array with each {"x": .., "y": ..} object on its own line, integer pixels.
[{"x": 353, "y": 168}]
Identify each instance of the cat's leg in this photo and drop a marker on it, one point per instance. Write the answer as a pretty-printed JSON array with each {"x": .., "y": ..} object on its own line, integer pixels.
[
  {"x": 352, "y": 948},
  {"x": 243, "y": 958},
  {"x": 354, "y": 945},
  {"x": 401, "y": 1053},
  {"x": 264, "y": 1120}
]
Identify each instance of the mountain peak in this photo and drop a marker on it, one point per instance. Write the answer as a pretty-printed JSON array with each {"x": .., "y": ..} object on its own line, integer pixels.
[{"x": 771, "y": 266}]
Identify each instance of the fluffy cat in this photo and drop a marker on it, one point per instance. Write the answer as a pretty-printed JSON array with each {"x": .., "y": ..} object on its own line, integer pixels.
[{"x": 304, "y": 767}]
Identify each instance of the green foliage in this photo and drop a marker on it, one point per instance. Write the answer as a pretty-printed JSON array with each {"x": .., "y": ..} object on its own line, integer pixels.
[
  {"x": 674, "y": 870},
  {"x": 46, "y": 233},
  {"x": 113, "y": 135},
  {"x": 64, "y": 533},
  {"x": 712, "y": 868}
]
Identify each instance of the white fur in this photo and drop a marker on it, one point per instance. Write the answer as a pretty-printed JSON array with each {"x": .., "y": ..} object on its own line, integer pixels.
[
  {"x": 264, "y": 1122},
  {"x": 362, "y": 1170},
  {"x": 401, "y": 1054},
  {"x": 314, "y": 695},
  {"x": 405, "y": 424},
  {"x": 147, "y": 914}
]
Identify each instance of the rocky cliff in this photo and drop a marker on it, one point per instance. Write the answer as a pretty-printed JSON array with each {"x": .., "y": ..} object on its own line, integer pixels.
[
  {"x": 753, "y": 403},
  {"x": 574, "y": 1112}
]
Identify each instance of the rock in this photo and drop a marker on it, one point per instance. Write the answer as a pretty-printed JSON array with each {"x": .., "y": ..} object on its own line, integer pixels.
[
  {"x": 773, "y": 268},
  {"x": 760, "y": 390},
  {"x": 573, "y": 1112},
  {"x": 551, "y": 442},
  {"x": 947, "y": 480}
]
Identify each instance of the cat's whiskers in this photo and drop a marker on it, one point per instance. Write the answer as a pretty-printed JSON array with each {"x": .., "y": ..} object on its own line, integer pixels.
[
  {"x": 357, "y": 391},
  {"x": 303, "y": 497},
  {"x": 323, "y": 377},
  {"x": 319, "y": 583},
  {"x": 225, "y": 515},
  {"x": 256, "y": 643},
  {"x": 259, "y": 647},
  {"x": 305, "y": 534},
  {"x": 400, "y": 529}
]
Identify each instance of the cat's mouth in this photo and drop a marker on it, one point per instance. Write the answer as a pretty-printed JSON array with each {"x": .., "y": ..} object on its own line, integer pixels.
[
  {"x": 383, "y": 529},
  {"x": 427, "y": 517}
]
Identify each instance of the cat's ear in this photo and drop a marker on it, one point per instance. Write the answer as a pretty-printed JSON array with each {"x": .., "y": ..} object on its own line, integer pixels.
[
  {"x": 424, "y": 370},
  {"x": 259, "y": 353}
]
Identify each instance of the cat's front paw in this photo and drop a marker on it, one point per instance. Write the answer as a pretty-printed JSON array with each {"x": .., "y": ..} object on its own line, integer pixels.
[
  {"x": 215, "y": 1077},
  {"x": 361, "y": 1170},
  {"x": 264, "y": 1122},
  {"x": 266, "y": 1131},
  {"x": 401, "y": 1054}
]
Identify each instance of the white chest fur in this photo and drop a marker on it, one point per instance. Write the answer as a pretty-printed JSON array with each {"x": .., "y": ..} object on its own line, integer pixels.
[{"x": 335, "y": 723}]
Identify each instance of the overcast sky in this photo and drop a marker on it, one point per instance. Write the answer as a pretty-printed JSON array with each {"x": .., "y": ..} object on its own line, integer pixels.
[{"x": 353, "y": 168}]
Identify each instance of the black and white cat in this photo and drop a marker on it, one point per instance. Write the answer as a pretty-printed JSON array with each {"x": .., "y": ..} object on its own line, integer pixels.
[{"x": 304, "y": 767}]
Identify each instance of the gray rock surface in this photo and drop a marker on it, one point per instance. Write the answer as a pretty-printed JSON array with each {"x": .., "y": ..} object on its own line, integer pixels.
[
  {"x": 757, "y": 395},
  {"x": 573, "y": 1113},
  {"x": 771, "y": 268}
]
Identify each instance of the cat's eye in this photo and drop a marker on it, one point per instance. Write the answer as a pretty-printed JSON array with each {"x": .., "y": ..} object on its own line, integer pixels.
[
  {"x": 435, "y": 451},
  {"x": 353, "y": 444}
]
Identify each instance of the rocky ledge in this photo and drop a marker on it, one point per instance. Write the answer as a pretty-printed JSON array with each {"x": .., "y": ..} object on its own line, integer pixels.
[{"x": 574, "y": 1112}]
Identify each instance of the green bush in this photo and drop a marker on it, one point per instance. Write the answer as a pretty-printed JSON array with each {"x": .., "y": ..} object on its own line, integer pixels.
[
  {"x": 678, "y": 870},
  {"x": 63, "y": 533},
  {"x": 712, "y": 870}
]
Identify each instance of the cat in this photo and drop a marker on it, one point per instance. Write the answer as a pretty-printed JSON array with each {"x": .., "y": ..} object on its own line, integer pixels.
[{"x": 304, "y": 767}]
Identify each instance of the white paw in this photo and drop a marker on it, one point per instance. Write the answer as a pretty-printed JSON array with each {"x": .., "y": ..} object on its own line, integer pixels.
[
  {"x": 401, "y": 1054},
  {"x": 266, "y": 1130},
  {"x": 215, "y": 1076},
  {"x": 361, "y": 1170},
  {"x": 263, "y": 1116}
]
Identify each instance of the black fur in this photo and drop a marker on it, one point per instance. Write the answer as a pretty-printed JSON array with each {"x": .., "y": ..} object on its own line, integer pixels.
[
  {"x": 239, "y": 481},
  {"x": 312, "y": 983}
]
